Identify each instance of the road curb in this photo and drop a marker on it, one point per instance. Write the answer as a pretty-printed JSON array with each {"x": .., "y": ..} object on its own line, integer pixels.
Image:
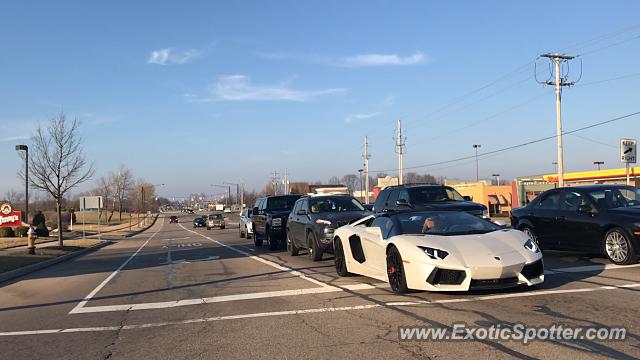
[
  {"x": 10, "y": 275},
  {"x": 153, "y": 222}
]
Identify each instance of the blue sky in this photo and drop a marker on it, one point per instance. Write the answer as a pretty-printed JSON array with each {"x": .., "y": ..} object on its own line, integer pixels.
[{"x": 206, "y": 92}]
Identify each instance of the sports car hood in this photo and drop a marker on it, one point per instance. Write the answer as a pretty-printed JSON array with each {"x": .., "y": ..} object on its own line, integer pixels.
[{"x": 471, "y": 247}]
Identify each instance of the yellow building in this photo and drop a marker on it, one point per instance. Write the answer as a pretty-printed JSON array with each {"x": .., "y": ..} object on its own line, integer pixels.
[{"x": 497, "y": 198}]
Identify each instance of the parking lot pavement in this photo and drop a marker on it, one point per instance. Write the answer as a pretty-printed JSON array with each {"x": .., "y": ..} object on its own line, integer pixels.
[{"x": 179, "y": 292}]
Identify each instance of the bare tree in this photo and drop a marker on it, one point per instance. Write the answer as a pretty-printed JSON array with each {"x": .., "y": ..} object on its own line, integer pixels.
[
  {"x": 334, "y": 180},
  {"x": 57, "y": 161},
  {"x": 123, "y": 182},
  {"x": 351, "y": 181}
]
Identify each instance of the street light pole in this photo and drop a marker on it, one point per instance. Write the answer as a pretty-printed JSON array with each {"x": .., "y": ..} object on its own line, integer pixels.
[
  {"x": 476, "y": 146},
  {"x": 598, "y": 163},
  {"x": 25, "y": 148}
]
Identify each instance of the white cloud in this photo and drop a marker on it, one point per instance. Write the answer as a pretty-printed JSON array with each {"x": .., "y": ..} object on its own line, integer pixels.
[
  {"x": 383, "y": 59},
  {"x": 240, "y": 88},
  {"x": 360, "y": 116},
  {"x": 169, "y": 56}
]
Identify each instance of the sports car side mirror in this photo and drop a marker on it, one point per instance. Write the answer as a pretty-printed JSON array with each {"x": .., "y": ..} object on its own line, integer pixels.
[
  {"x": 468, "y": 198},
  {"x": 255, "y": 211},
  {"x": 374, "y": 231}
]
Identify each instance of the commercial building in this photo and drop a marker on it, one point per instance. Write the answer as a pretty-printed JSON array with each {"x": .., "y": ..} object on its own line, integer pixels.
[{"x": 497, "y": 198}]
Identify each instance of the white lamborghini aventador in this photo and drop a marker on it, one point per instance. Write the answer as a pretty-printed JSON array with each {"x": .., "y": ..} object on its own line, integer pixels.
[{"x": 437, "y": 251}]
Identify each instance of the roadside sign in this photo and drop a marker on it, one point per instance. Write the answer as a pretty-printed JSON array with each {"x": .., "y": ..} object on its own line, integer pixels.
[
  {"x": 90, "y": 203},
  {"x": 8, "y": 217},
  {"x": 628, "y": 150}
]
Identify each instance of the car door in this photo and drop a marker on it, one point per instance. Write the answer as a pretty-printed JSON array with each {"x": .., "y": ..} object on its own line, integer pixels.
[
  {"x": 577, "y": 226},
  {"x": 259, "y": 219},
  {"x": 543, "y": 218},
  {"x": 293, "y": 223},
  {"x": 374, "y": 245}
]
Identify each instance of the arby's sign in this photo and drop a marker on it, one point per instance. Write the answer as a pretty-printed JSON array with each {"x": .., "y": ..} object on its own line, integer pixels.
[{"x": 8, "y": 217}]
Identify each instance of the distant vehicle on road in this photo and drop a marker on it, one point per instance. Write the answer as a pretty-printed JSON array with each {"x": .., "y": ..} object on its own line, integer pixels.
[
  {"x": 426, "y": 197},
  {"x": 215, "y": 220},
  {"x": 314, "y": 219},
  {"x": 199, "y": 222},
  {"x": 601, "y": 219},
  {"x": 173, "y": 219},
  {"x": 246, "y": 230},
  {"x": 437, "y": 251},
  {"x": 269, "y": 219}
]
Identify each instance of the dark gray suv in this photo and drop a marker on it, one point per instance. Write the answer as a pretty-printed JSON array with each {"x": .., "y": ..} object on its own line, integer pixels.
[{"x": 314, "y": 219}]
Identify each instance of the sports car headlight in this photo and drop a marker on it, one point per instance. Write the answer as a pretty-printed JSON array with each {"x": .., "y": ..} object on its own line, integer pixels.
[
  {"x": 434, "y": 253},
  {"x": 277, "y": 222},
  {"x": 531, "y": 246}
]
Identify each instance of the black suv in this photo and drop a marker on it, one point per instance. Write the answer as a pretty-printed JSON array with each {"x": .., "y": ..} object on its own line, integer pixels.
[
  {"x": 314, "y": 219},
  {"x": 426, "y": 197},
  {"x": 602, "y": 219},
  {"x": 269, "y": 219}
]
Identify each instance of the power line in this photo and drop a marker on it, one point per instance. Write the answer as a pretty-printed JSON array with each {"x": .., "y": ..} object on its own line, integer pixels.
[{"x": 512, "y": 147}]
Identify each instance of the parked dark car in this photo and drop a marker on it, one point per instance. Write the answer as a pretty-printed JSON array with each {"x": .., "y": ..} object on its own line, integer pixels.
[
  {"x": 199, "y": 222},
  {"x": 426, "y": 197},
  {"x": 314, "y": 219},
  {"x": 173, "y": 219},
  {"x": 602, "y": 219},
  {"x": 269, "y": 219}
]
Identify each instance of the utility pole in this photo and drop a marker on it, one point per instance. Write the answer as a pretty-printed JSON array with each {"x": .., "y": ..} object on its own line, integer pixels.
[
  {"x": 285, "y": 182},
  {"x": 366, "y": 157},
  {"x": 559, "y": 82},
  {"x": 274, "y": 182},
  {"x": 400, "y": 151},
  {"x": 476, "y": 146}
]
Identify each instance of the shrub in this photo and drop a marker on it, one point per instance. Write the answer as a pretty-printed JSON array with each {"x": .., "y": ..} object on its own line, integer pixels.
[
  {"x": 42, "y": 231},
  {"x": 7, "y": 232},
  {"x": 21, "y": 231},
  {"x": 38, "y": 219}
]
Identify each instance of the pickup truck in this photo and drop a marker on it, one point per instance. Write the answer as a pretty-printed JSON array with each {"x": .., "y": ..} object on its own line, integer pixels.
[{"x": 269, "y": 219}]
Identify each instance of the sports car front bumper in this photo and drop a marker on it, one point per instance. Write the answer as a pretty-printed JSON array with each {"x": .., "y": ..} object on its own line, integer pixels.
[{"x": 505, "y": 273}]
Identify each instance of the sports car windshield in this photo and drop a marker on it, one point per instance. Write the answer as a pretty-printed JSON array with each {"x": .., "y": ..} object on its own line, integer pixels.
[
  {"x": 444, "y": 223},
  {"x": 335, "y": 204}
]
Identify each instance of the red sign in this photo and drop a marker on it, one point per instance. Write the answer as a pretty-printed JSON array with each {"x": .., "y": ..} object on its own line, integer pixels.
[{"x": 8, "y": 217}]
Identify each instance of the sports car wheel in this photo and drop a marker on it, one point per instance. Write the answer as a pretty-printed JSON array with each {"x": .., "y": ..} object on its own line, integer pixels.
[
  {"x": 341, "y": 263},
  {"x": 273, "y": 243},
  {"x": 313, "y": 251},
  {"x": 395, "y": 271},
  {"x": 291, "y": 247},
  {"x": 618, "y": 247},
  {"x": 532, "y": 235}
]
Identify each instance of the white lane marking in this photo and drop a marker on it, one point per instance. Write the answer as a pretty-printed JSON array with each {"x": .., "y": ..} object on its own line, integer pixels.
[
  {"x": 265, "y": 261},
  {"x": 208, "y": 300},
  {"x": 307, "y": 311},
  {"x": 86, "y": 299}
]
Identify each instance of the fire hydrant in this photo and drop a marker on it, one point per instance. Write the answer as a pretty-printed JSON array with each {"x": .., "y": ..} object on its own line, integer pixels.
[{"x": 31, "y": 240}]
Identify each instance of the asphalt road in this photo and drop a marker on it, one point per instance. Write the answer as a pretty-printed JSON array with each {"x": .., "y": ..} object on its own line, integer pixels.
[{"x": 174, "y": 292}]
